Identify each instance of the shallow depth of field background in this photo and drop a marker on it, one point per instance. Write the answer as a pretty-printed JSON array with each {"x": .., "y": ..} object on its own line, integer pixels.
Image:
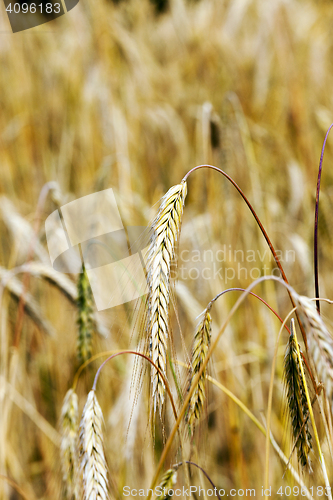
[{"x": 118, "y": 95}]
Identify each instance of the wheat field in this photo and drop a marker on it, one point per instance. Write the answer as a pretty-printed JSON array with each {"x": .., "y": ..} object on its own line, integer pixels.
[{"x": 129, "y": 96}]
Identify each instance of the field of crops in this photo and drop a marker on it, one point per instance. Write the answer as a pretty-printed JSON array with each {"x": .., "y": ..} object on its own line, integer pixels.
[{"x": 121, "y": 96}]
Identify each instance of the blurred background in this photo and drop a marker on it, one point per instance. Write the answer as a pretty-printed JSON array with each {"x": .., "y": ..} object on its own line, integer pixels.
[{"x": 130, "y": 95}]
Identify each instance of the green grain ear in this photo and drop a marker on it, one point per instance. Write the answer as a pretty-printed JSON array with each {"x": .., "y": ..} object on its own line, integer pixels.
[
  {"x": 199, "y": 352},
  {"x": 85, "y": 317},
  {"x": 297, "y": 403}
]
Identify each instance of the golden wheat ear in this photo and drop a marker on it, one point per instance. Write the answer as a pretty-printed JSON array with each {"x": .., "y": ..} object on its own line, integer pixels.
[
  {"x": 167, "y": 483},
  {"x": 92, "y": 458},
  {"x": 297, "y": 402},
  {"x": 199, "y": 352},
  {"x": 69, "y": 426},
  {"x": 320, "y": 343},
  {"x": 164, "y": 237},
  {"x": 85, "y": 317}
]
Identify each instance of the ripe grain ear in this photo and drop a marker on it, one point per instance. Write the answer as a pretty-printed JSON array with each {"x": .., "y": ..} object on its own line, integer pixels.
[
  {"x": 165, "y": 235},
  {"x": 92, "y": 458},
  {"x": 69, "y": 426}
]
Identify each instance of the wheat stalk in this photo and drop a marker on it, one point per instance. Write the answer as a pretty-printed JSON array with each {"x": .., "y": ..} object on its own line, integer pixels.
[
  {"x": 199, "y": 352},
  {"x": 165, "y": 234},
  {"x": 16, "y": 289},
  {"x": 69, "y": 443},
  {"x": 297, "y": 403},
  {"x": 21, "y": 231},
  {"x": 85, "y": 317},
  {"x": 61, "y": 281},
  {"x": 93, "y": 463},
  {"x": 320, "y": 343},
  {"x": 168, "y": 481},
  {"x": 64, "y": 285}
]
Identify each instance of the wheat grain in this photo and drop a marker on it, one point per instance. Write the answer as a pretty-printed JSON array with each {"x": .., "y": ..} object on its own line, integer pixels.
[
  {"x": 168, "y": 481},
  {"x": 199, "y": 352},
  {"x": 165, "y": 234},
  {"x": 69, "y": 443},
  {"x": 93, "y": 463},
  {"x": 297, "y": 403},
  {"x": 85, "y": 317},
  {"x": 320, "y": 343}
]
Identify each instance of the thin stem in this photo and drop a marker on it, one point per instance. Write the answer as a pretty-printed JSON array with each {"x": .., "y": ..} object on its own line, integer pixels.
[
  {"x": 315, "y": 244},
  {"x": 250, "y": 293},
  {"x": 202, "y": 368},
  {"x": 238, "y": 402},
  {"x": 26, "y": 277},
  {"x": 274, "y": 312},
  {"x": 276, "y": 258},
  {"x": 262, "y": 429},
  {"x": 198, "y": 375},
  {"x": 162, "y": 377},
  {"x": 15, "y": 486},
  {"x": 243, "y": 407},
  {"x": 151, "y": 362},
  {"x": 174, "y": 375},
  {"x": 262, "y": 229},
  {"x": 204, "y": 473},
  {"x": 86, "y": 363}
]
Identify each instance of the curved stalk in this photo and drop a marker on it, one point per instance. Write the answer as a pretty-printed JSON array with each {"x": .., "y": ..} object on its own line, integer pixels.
[
  {"x": 151, "y": 362},
  {"x": 198, "y": 375},
  {"x": 275, "y": 313},
  {"x": 14, "y": 485},
  {"x": 254, "y": 295},
  {"x": 262, "y": 229},
  {"x": 202, "y": 368},
  {"x": 315, "y": 238},
  {"x": 26, "y": 277},
  {"x": 167, "y": 387},
  {"x": 90, "y": 360},
  {"x": 204, "y": 473},
  {"x": 244, "y": 408}
]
